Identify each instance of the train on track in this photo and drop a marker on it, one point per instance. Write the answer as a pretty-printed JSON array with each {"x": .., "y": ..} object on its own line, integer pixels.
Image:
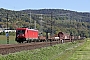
[{"x": 30, "y": 35}]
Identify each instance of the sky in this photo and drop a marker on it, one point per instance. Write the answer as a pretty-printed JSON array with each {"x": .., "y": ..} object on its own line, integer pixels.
[{"x": 73, "y": 5}]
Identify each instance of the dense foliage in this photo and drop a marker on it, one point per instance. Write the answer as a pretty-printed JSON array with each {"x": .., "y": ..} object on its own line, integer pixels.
[{"x": 67, "y": 21}]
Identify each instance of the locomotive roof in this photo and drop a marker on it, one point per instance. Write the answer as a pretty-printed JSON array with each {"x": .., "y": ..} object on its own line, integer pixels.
[
  {"x": 33, "y": 29},
  {"x": 26, "y": 28}
]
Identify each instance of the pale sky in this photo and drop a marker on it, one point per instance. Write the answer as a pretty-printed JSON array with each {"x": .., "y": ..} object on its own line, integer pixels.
[{"x": 74, "y": 5}]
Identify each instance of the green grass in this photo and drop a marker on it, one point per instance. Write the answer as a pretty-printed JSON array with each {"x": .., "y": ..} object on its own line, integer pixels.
[
  {"x": 80, "y": 53},
  {"x": 47, "y": 53},
  {"x": 3, "y": 39}
]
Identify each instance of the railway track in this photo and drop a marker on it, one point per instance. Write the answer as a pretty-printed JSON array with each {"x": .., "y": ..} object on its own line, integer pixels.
[{"x": 12, "y": 48}]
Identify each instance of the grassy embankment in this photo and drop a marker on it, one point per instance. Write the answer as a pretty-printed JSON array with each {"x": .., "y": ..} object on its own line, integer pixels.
[
  {"x": 82, "y": 52},
  {"x": 56, "y": 52},
  {"x": 79, "y": 53}
]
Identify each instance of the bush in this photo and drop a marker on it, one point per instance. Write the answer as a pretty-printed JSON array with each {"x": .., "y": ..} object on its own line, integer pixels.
[
  {"x": 10, "y": 33},
  {"x": 2, "y": 33}
]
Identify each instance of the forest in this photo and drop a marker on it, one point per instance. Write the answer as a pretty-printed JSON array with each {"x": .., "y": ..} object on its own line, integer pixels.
[{"x": 51, "y": 20}]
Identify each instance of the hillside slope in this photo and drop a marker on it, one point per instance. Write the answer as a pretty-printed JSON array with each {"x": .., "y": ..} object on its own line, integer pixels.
[{"x": 67, "y": 21}]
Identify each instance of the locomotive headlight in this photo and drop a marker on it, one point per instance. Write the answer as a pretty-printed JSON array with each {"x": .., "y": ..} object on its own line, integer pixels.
[
  {"x": 23, "y": 35},
  {"x": 17, "y": 35},
  {"x": 20, "y": 35}
]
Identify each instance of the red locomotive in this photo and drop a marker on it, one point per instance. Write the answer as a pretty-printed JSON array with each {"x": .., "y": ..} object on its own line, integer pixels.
[{"x": 25, "y": 34}]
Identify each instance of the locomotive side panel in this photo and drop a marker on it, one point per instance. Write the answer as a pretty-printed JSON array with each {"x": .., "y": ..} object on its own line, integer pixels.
[
  {"x": 31, "y": 34},
  {"x": 34, "y": 34}
]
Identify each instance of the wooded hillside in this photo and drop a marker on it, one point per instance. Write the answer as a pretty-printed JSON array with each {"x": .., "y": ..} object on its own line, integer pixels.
[{"x": 67, "y": 21}]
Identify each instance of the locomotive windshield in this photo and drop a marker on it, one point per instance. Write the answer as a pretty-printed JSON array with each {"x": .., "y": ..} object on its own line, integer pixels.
[{"x": 20, "y": 31}]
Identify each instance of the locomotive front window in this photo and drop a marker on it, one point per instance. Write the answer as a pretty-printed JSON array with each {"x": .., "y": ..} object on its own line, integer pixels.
[{"x": 20, "y": 31}]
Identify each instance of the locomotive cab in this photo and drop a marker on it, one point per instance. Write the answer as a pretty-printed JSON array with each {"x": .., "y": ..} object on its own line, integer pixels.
[{"x": 20, "y": 35}]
